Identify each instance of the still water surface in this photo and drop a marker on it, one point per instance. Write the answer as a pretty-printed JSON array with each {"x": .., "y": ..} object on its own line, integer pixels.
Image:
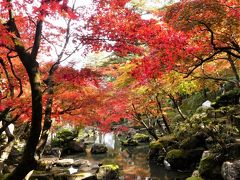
[{"x": 132, "y": 161}]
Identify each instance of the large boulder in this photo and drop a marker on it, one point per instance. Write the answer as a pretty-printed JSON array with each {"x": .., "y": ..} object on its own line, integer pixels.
[
  {"x": 231, "y": 170},
  {"x": 98, "y": 148},
  {"x": 141, "y": 138},
  {"x": 230, "y": 98},
  {"x": 181, "y": 159},
  {"x": 107, "y": 172},
  {"x": 177, "y": 158},
  {"x": 64, "y": 162},
  {"x": 83, "y": 176},
  {"x": 74, "y": 147},
  {"x": 129, "y": 142},
  {"x": 210, "y": 166},
  {"x": 195, "y": 141},
  {"x": 158, "y": 149}
]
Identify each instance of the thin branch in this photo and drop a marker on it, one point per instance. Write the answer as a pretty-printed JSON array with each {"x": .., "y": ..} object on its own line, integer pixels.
[
  {"x": 10, "y": 84},
  {"x": 15, "y": 75},
  {"x": 200, "y": 63}
]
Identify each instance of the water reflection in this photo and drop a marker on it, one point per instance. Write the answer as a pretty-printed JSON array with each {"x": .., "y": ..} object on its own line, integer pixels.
[{"x": 132, "y": 161}]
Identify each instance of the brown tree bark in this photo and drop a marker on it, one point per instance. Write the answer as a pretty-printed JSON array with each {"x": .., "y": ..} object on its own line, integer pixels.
[
  {"x": 177, "y": 106},
  {"x": 31, "y": 65},
  {"x": 163, "y": 116}
]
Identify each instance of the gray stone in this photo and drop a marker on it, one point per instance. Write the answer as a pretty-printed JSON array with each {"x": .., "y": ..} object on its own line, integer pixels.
[
  {"x": 98, "y": 148},
  {"x": 231, "y": 170},
  {"x": 64, "y": 162},
  {"x": 107, "y": 172}
]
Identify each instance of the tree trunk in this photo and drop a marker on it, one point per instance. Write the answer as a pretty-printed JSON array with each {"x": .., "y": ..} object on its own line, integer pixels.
[
  {"x": 47, "y": 120},
  {"x": 150, "y": 130},
  {"x": 28, "y": 161},
  {"x": 163, "y": 116},
  {"x": 176, "y": 105},
  {"x": 234, "y": 69}
]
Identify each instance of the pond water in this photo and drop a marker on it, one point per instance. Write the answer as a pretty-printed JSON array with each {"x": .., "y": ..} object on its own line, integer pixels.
[{"x": 132, "y": 161}]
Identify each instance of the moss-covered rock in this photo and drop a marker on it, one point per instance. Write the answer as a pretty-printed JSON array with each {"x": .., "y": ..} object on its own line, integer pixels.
[
  {"x": 156, "y": 149},
  {"x": 194, "y": 178},
  {"x": 233, "y": 151},
  {"x": 98, "y": 148},
  {"x": 141, "y": 137},
  {"x": 195, "y": 141},
  {"x": 63, "y": 136},
  {"x": 73, "y": 147},
  {"x": 83, "y": 176},
  {"x": 107, "y": 172},
  {"x": 168, "y": 141},
  {"x": 177, "y": 158},
  {"x": 129, "y": 142},
  {"x": 184, "y": 159},
  {"x": 230, "y": 98},
  {"x": 210, "y": 167},
  {"x": 155, "y": 145}
]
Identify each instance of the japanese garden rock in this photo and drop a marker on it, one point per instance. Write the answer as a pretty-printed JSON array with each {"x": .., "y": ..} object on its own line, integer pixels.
[
  {"x": 107, "y": 172},
  {"x": 141, "y": 137},
  {"x": 65, "y": 162},
  {"x": 177, "y": 159},
  {"x": 129, "y": 142},
  {"x": 98, "y": 148},
  {"x": 83, "y": 176},
  {"x": 210, "y": 166},
  {"x": 74, "y": 147},
  {"x": 231, "y": 170},
  {"x": 156, "y": 150}
]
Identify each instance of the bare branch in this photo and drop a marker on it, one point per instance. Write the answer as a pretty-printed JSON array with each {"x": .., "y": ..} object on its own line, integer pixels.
[{"x": 15, "y": 75}]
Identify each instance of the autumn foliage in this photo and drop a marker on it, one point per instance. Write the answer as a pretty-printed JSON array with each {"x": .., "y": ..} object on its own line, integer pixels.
[{"x": 160, "y": 56}]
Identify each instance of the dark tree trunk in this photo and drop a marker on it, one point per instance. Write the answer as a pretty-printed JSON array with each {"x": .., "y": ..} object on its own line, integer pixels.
[
  {"x": 234, "y": 69},
  {"x": 150, "y": 130},
  {"x": 47, "y": 120},
  {"x": 176, "y": 106},
  {"x": 28, "y": 161},
  {"x": 163, "y": 116}
]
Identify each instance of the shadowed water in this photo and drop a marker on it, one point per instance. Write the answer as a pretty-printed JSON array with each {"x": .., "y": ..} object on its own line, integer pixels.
[{"x": 132, "y": 161}]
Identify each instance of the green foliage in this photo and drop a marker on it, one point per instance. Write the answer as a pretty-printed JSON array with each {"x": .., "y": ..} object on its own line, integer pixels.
[
  {"x": 230, "y": 98},
  {"x": 190, "y": 104},
  {"x": 187, "y": 87},
  {"x": 219, "y": 127},
  {"x": 63, "y": 136}
]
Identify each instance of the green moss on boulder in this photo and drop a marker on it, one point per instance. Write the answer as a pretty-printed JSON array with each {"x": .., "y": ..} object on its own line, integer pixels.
[
  {"x": 141, "y": 137},
  {"x": 230, "y": 98},
  {"x": 194, "y": 178},
  {"x": 109, "y": 171},
  {"x": 155, "y": 145},
  {"x": 129, "y": 142},
  {"x": 177, "y": 158},
  {"x": 210, "y": 167}
]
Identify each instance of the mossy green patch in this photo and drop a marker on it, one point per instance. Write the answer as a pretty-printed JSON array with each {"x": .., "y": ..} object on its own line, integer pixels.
[
  {"x": 111, "y": 166},
  {"x": 194, "y": 178},
  {"x": 176, "y": 153},
  {"x": 141, "y": 137},
  {"x": 210, "y": 167},
  {"x": 155, "y": 145}
]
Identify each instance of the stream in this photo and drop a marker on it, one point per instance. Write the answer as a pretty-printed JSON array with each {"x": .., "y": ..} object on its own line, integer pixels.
[{"x": 132, "y": 160}]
